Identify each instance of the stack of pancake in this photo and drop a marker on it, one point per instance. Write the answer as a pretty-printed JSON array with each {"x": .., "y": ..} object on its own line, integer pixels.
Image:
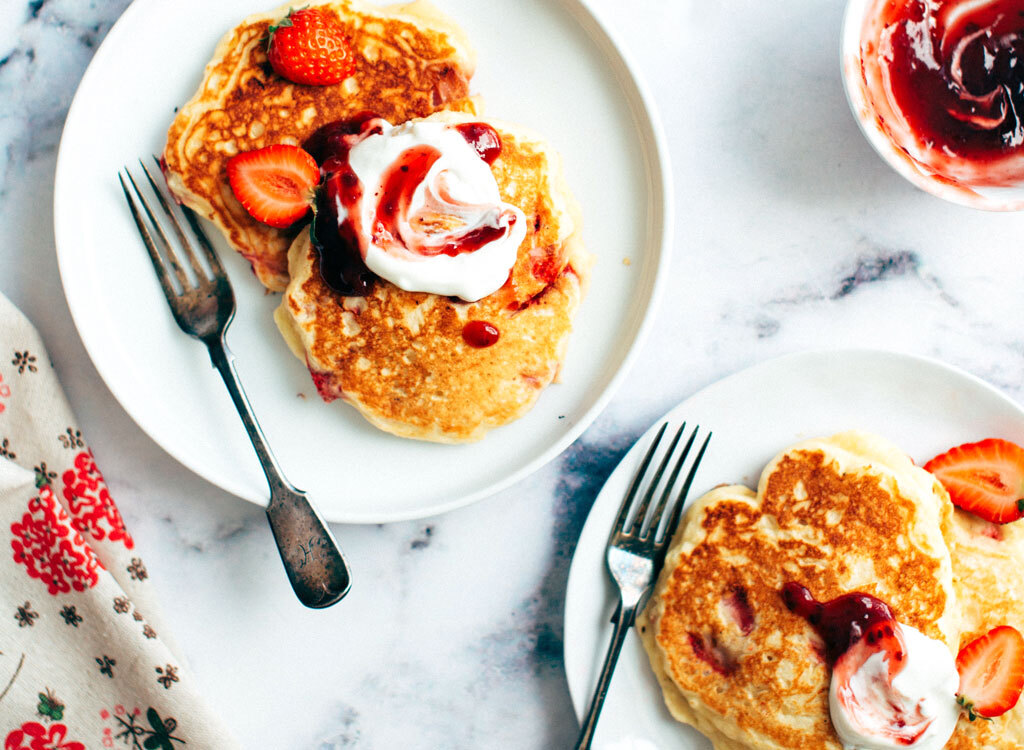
[
  {"x": 843, "y": 514},
  {"x": 397, "y": 356},
  {"x": 410, "y": 60}
]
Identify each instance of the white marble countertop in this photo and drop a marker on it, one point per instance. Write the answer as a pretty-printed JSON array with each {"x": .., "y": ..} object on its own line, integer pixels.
[{"x": 791, "y": 234}]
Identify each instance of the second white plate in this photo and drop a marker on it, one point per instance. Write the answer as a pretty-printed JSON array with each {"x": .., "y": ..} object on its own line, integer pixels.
[
  {"x": 615, "y": 161},
  {"x": 923, "y": 406}
]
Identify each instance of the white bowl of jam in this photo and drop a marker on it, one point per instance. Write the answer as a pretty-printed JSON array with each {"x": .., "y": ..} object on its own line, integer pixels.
[{"x": 937, "y": 86}]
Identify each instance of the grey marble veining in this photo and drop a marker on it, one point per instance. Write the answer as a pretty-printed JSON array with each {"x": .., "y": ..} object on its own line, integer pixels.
[
  {"x": 41, "y": 59},
  {"x": 791, "y": 234}
]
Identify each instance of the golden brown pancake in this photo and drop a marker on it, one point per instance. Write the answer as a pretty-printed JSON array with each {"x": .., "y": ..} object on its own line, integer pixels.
[
  {"x": 399, "y": 357},
  {"x": 410, "y": 61},
  {"x": 838, "y": 515},
  {"x": 988, "y": 573}
]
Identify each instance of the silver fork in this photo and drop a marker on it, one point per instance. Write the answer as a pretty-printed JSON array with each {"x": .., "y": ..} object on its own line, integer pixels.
[
  {"x": 636, "y": 551},
  {"x": 203, "y": 308}
]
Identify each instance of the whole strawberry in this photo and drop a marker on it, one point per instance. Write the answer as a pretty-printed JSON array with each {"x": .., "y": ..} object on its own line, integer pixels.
[{"x": 309, "y": 46}]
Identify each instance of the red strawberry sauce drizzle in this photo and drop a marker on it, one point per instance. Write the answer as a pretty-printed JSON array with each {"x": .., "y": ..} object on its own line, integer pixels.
[
  {"x": 397, "y": 188},
  {"x": 483, "y": 138},
  {"x": 841, "y": 622},
  {"x": 335, "y": 234},
  {"x": 336, "y": 240},
  {"x": 480, "y": 334}
]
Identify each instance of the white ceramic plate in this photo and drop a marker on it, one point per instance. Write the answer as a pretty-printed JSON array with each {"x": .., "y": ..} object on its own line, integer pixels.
[
  {"x": 923, "y": 406},
  {"x": 531, "y": 52}
]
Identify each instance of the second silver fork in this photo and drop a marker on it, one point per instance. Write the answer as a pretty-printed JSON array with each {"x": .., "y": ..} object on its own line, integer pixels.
[
  {"x": 203, "y": 307},
  {"x": 636, "y": 550}
]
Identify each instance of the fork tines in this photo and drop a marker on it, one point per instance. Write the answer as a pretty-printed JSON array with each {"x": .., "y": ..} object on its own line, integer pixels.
[
  {"x": 645, "y": 523},
  {"x": 638, "y": 545},
  {"x": 202, "y": 261}
]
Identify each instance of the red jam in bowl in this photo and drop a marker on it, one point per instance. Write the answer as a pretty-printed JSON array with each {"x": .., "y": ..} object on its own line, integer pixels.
[{"x": 946, "y": 81}]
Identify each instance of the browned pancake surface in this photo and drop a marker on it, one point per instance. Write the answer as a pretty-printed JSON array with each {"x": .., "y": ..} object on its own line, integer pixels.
[
  {"x": 400, "y": 357},
  {"x": 732, "y": 659}
]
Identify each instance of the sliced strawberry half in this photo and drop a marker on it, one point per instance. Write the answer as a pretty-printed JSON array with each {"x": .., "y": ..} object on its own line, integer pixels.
[
  {"x": 274, "y": 184},
  {"x": 991, "y": 673},
  {"x": 985, "y": 478}
]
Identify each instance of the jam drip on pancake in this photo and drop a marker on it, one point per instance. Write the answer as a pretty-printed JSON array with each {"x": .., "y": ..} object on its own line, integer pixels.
[
  {"x": 480, "y": 334},
  {"x": 483, "y": 138},
  {"x": 337, "y": 231},
  {"x": 954, "y": 70},
  {"x": 841, "y": 622},
  {"x": 341, "y": 263},
  {"x": 866, "y": 648}
]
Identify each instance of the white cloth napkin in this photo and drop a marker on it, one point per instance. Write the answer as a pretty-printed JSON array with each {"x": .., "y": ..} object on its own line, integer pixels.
[{"x": 85, "y": 658}]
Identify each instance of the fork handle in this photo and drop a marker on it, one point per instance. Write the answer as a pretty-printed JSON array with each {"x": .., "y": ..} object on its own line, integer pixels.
[
  {"x": 312, "y": 559},
  {"x": 623, "y": 619}
]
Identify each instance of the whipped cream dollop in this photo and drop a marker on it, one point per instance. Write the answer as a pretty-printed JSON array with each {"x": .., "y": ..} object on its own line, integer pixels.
[
  {"x": 430, "y": 218},
  {"x": 879, "y": 706}
]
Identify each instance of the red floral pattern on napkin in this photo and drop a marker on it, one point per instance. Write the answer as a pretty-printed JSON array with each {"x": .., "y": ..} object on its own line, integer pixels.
[
  {"x": 45, "y": 543},
  {"x": 34, "y": 736},
  {"x": 89, "y": 501},
  {"x": 5, "y": 393},
  {"x": 67, "y": 657}
]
